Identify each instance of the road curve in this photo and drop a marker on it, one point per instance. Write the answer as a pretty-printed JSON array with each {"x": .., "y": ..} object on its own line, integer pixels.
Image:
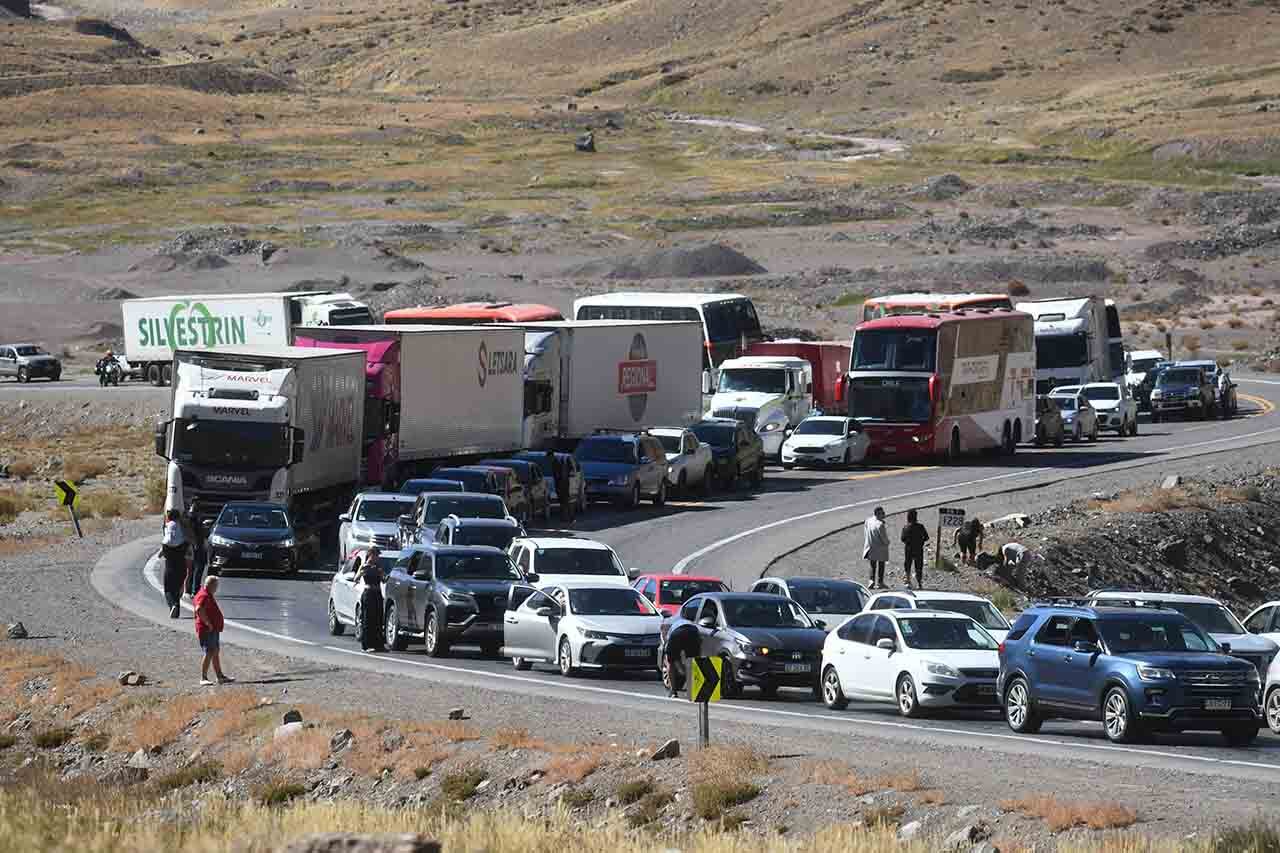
[{"x": 737, "y": 537}]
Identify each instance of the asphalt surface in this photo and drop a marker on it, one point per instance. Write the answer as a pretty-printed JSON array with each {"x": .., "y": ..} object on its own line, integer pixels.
[{"x": 736, "y": 537}]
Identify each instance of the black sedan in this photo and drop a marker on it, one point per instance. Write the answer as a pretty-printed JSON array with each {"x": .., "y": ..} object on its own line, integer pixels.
[
  {"x": 253, "y": 536},
  {"x": 762, "y": 640}
]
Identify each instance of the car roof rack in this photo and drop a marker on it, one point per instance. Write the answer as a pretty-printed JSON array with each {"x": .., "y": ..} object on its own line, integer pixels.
[{"x": 1063, "y": 601}]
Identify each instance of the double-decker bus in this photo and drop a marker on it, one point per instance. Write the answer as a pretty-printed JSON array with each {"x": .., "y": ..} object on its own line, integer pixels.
[
  {"x": 472, "y": 313},
  {"x": 917, "y": 303},
  {"x": 941, "y": 385},
  {"x": 729, "y": 321}
]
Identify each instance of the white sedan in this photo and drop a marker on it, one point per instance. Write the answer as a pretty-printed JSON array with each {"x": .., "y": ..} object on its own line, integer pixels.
[
  {"x": 917, "y": 659},
  {"x": 582, "y": 625},
  {"x": 688, "y": 459},
  {"x": 345, "y": 591},
  {"x": 825, "y": 440}
]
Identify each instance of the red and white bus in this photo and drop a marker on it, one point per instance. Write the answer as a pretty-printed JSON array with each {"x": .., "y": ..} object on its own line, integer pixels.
[
  {"x": 919, "y": 303},
  {"x": 472, "y": 313},
  {"x": 940, "y": 385}
]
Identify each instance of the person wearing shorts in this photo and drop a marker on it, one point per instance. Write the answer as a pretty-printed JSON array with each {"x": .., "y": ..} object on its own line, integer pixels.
[{"x": 209, "y": 624}]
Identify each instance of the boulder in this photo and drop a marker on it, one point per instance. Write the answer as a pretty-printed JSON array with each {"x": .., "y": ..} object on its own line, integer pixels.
[
  {"x": 341, "y": 740},
  {"x": 139, "y": 760},
  {"x": 965, "y": 837},
  {"x": 129, "y": 678},
  {"x": 1171, "y": 482},
  {"x": 908, "y": 831},
  {"x": 457, "y": 714},
  {"x": 1245, "y": 588},
  {"x": 586, "y": 142},
  {"x": 287, "y": 730},
  {"x": 17, "y": 631},
  {"x": 670, "y": 749},
  {"x": 1172, "y": 551},
  {"x": 347, "y": 842}
]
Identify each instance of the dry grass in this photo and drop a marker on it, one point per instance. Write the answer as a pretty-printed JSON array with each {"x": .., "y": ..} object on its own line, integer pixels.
[
  {"x": 1059, "y": 814},
  {"x": 108, "y": 504},
  {"x": 180, "y": 714},
  {"x": 1155, "y": 500},
  {"x": 841, "y": 775},
  {"x": 23, "y": 469},
  {"x": 78, "y": 469},
  {"x": 238, "y": 760},
  {"x": 1239, "y": 346},
  {"x": 304, "y": 750},
  {"x": 573, "y": 768},
  {"x": 1207, "y": 324},
  {"x": 514, "y": 738},
  {"x": 712, "y": 799},
  {"x": 155, "y": 491},
  {"x": 13, "y": 502},
  {"x": 1239, "y": 494},
  {"x": 934, "y": 798},
  {"x": 726, "y": 762}
]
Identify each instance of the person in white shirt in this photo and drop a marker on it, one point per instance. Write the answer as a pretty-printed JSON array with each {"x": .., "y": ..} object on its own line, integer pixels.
[
  {"x": 173, "y": 545},
  {"x": 875, "y": 546}
]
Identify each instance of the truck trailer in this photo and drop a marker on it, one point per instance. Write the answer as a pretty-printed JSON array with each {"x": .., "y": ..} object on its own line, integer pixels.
[
  {"x": 156, "y": 326},
  {"x": 829, "y": 360},
  {"x": 279, "y": 424},
  {"x": 433, "y": 393},
  {"x": 1073, "y": 345}
]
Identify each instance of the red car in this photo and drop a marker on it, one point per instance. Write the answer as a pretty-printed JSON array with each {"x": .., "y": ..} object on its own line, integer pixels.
[{"x": 669, "y": 592}]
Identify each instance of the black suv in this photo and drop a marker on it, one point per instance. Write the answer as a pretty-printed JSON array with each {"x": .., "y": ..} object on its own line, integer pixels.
[
  {"x": 1135, "y": 670},
  {"x": 442, "y": 595},
  {"x": 420, "y": 525},
  {"x": 736, "y": 451}
]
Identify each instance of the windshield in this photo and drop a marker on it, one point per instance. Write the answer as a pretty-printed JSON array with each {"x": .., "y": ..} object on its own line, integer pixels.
[
  {"x": 940, "y": 634},
  {"x": 753, "y": 380},
  {"x": 815, "y": 427},
  {"x": 253, "y": 518},
  {"x": 230, "y": 444},
  {"x": 494, "y": 536},
  {"x": 475, "y": 567},
  {"x": 417, "y": 487},
  {"x": 764, "y": 613},
  {"x": 1061, "y": 351},
  {"x": 732, "y": 320},
  {"x": 1142, "y": 365},
  {"x": 1067, "y": 404},
  {"x": 1213, "y": 618},
  {"x": 674, "y": 592},
  {"x": 896, "y": 401},
  {"x": 1103, "y": 392},
  {"x": 577, "y": 561},
  {"x": 1154, "y": 635},
  {"x": 670, "y": 443},
  {"x": 828, "y": 597},
  {"x": 979, "y": 611},
  {"x": 30, "y": 351},
  {"x": 895, "y": 349},
  {"x": 621, "y": 601},
  {"x": 716, "y": 435},
  {"x": 1174, "y": 376},
  {"x": 606, "y": 450},
  {"x": 469, "y": 507},
  {"x": 472, "y": 481},
  {"x": 389, "y": 511}
]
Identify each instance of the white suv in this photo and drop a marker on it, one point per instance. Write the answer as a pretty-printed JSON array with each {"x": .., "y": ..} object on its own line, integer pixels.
[
  {"x": 1114, "y": 405},
  {"x": 980, "y": 609},
  {"x": 561, "y": 559}
]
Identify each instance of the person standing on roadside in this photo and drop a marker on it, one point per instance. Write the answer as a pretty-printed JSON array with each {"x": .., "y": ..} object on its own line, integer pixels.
[
  {"x": 560, "y": 476},
  {"x": 372, "y": 606},
  {"x": 914, "y": 536},
  {"x": 209, "y": 626},
  {"x": 173, "y": 546},
  {"x": 683, "y": 645},
  {"x": 875, "y": 546}
]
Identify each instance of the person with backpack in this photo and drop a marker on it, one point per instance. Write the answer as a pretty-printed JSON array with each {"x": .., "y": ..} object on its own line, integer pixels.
[{"x": 914, "y": 536}]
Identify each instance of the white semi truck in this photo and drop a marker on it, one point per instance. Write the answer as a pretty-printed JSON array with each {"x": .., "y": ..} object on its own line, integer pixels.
[
  {"x": 582, "y": 376},
  {"x": 280, "y": 424},
  {"x": 1073, "y": 344},
  {"x": 770, "y": 394},
  {"x": 156, "y": 326}
]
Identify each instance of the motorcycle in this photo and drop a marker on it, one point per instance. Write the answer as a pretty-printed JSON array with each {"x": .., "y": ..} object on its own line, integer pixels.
[{"x": 109, "y": 372}]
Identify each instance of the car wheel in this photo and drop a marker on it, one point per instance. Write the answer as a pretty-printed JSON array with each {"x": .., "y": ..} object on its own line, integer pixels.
[
  {"x": 394, "y": 639},
  {"x": 1019, "y": 710},
  {"x": 908, "y": 701},
  {"x": 153, "y": 374},
  {"x": 521, "y": 664},
  {"x": 564, "y": 659},
  {"x": 357, "y": 626},
  {"x": 1060, "y": 438},
  {"x": 1241, "y": 735},
  {"x": 1273, "y": 709},
  {"x": 166, "y": 375},
  {"x": 1093, "y": 436},
  {"x": 661, "y": 497},
  {"x": 437, "y": 647},
  {"x": 729, "y": 686},
  {"x": 787, "y": 466},
  {"x": 1118, "y": 719},
  {"x": 55, "y": 377},
  {"x": 832, "y": 691},
  {"x": 22, "y": 375},
  {"x": 664, "y": 669},
  {"x": 633, "y": 500},
  {"x": 848, "y": 457},
  {"x": 336, "y": 628},
  {"x": 1039, "y": 435}
]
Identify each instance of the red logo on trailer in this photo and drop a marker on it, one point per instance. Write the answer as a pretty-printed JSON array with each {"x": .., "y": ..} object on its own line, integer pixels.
[{"x": 637, "y": 377}]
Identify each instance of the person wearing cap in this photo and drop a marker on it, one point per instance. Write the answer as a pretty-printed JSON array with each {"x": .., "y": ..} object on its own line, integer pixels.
[{"x": 372, "y": 615}]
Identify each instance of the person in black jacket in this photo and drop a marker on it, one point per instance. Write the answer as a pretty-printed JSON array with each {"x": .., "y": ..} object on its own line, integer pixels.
[
  {"x": 683, "y": 644},
  {"x": 914, "y": 535},
  {"x": 373, "y": 629}
]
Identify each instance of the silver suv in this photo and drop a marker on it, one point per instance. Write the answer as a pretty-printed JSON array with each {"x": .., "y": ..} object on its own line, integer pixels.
[{"x": 25, "y": 362}]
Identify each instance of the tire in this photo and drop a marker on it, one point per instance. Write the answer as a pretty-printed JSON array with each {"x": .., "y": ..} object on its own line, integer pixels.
[
  {"x": 153, "y": 374},
  {"x": 908, "y": 700},
  {"x": 437, "y": 646},
  {"x": 336, "y": 628},
  {"x": 23, "y": 376},
  {"x": 1060, "y": 439},
  {"x": 660, "y": 499},
  {"x": 1239, "y": 736},
  {"x": 564, "y": 659},
  {"x": 1272, "y": 706},
  {"x": 358, "y": 627},
  {"x": 394, "y": 639},
  {"x": 769, "y": 691},
  {"x": 664, "y": 671},
  {"x": 1019, "y": 708},
  {"x": 832, "y": 691},
  {"x": 787, "y": 466},
  {"x": 634, "y": 500},
  {"x": 1006, "y": 440},
  {"x": 1039, "y": 439},
  {"x": 1118, "y": 720},
  {"x": 729, "y": 686},
  {"x": 55, "y": 377},
  {"x": 521, "y": 664}
]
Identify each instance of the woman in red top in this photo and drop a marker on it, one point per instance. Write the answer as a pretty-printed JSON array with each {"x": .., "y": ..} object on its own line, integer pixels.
[{"x": 209, "y": 630}]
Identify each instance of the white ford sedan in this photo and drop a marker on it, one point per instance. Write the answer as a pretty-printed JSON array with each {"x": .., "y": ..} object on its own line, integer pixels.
[{"x": 825, "y": 440}]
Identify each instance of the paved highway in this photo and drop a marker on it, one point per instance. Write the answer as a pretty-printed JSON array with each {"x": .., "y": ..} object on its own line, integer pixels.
[{"x": 736, "y": 537}]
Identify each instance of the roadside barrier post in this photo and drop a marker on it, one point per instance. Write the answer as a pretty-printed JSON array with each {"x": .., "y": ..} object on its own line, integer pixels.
[
  {"x": 704, "y": 688},
  {"x": 950, "y": 518},
  {"x": 68, "y": 496}
]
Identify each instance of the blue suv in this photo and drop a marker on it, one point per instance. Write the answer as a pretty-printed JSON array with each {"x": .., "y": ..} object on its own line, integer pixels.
[
  {"x": 1137, "y": 670},
  {"x": 623, "y": 468}
]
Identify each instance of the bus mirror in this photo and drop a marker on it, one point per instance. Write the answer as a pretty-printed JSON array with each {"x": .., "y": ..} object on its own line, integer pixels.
[{"x": 706, "y": 382}]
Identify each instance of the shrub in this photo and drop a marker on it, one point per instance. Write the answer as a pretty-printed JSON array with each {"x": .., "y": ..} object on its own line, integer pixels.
[
  {"x": 421, "y": 773},
  {"x": 1059, "y": 815},
  {"x": 848, "y": 300},
  {"x": 1005, "y": 600},
  {"x": 155, "y": 491},
  {"x": 513, "y": 738},
  {"x": 634, "y": 791},
  {"x": 194, "y": 774},
  {"x": 710, "y": 799},
  {"x": 1235, "y": 322},
  {"x": 1239, "y": 346},
  {"x": 22, "y": 469},
  {"x": 1257, "y": 837},
  {"x": 7, "y": 741},
  {"x": 1207, "y": 324},
  {"x": 278, "y": 792},
  {"x": 77, "y": 469},
  {"x": 883, "y": 817},
  {"x": 1191, "y": 343},
  {"x": 108, "y": 505},
  {"x": 1018, "y": 288},
  {"x": 52, "y": 738},
  {"x": 462, "y": 785},
  {"x": 572, "y": 768},
  {"x": 576, "y": 798},
  {"x": 97, "y": 742},
  {"x": 651, "y": 807}
]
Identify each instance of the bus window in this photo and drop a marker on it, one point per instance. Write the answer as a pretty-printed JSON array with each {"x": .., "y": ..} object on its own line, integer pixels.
[
  {"x": 895, "y": 349},
  {"x": 733, "y": 320}
]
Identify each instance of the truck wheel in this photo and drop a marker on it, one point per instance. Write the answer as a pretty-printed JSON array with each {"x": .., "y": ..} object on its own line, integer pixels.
[
  {"x": 394, "y": 640},
  {"x": 660, "y": 498},
  {"x": 437, "y": 646},
  {"x": 153, "y": 374}
]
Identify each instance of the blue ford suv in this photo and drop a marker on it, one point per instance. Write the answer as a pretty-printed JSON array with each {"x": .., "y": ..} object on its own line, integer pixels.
[{"x": 1137, "y": 670}]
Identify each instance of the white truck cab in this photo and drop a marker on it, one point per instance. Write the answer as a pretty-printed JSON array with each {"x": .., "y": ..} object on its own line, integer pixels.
[{"x": 770, "y": 394}]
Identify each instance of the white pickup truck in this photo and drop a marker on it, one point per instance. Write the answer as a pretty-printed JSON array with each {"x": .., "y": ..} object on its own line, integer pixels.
[{"x": 688, "y": 459}]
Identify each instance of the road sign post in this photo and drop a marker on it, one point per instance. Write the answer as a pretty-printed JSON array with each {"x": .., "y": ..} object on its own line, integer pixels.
[
  {"x": 69, "y": 497},
  {"x": 949, "y": 518},
  {"x": 704, "y": 688}
]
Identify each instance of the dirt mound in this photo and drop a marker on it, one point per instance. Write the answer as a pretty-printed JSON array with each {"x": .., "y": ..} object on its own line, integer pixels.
[
  {"x": 709, "y": 261},
  {"x": 111, "y": 294},
  {"x": 105, "y": 29},
  {"x": 158, "y": 264},
  {"x": 31, "y": 151},
  {"x": 205, "y": 261},
  {"x": 309, "y": 284},
  {"x": 944, "y": 188}
]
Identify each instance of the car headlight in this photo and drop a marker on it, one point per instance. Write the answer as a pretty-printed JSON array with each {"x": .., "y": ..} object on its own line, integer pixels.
[
  {"x": 460, "y": 598},
  {"x": 287, "y": 543},
  {"x": 1157, "y": 393},
  {"x": 771, "y": 427},
  {"x": 361, "y": 536},
  {"x": 620, "y": 480},
  {"x": 220, "y": 541},
  {"x": 592, "y": 635},
  {"x": 1155, "y": 673},
  {"x": 752, "y": 650},
  {"x": 941, "y": 670}
]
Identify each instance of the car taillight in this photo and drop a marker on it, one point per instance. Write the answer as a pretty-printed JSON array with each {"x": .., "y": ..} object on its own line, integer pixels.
[{"x": 1000, "y": 648}]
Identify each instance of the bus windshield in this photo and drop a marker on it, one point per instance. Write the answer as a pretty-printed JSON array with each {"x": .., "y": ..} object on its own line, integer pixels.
[
  {"x": 732, "y": 320},
  {"x": 890, "y": 400},
  {"x": 1054, "y": 351},
  {"x": 895, "y": 349}
]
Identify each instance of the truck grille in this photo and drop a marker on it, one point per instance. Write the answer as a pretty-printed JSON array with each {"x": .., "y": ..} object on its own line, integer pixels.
[
  {"x": 746, "y": 417},
  {"x": 385, "y": 540}
]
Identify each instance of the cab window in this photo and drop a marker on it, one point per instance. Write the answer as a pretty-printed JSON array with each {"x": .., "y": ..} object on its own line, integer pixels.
[
  {"x": 882, "y": 630},
  {"x": 1055, "y": 631},
  {"x": 710, "y": 609},
  {"x": 858, "y": 629},
  {"x": 689, "y": 612}
]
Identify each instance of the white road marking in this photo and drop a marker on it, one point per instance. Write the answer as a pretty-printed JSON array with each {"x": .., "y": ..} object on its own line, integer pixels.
[{"x": 1259, "y": 381}]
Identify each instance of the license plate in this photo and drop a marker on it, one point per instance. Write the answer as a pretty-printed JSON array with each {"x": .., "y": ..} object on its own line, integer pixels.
[
  {"x": 797, "y": 667},
  {"x": 891, "y": 450},
  {"x": 1217, "y": 704},
  {"x": 638, "y": 653},
  {"x": 251, "y": 555}
]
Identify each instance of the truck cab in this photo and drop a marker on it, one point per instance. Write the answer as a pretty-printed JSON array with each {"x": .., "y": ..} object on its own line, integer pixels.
[
  {"x": 1072, "y": 346},
  {"x": 330, "y": 309},
  {"x": 767, "y": 394}
]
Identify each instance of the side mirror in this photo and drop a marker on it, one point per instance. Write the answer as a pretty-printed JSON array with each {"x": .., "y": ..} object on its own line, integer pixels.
[
  {"x": 162, "y": 438},
  {"x": 787, "y": 432},
  {"x": 345, "y": 518},
  {"x": 706, "y": 382},
  {"x": 531, "y": 577},
  {"x": 821, "y": 623},
  {"x": 887, "y": 644},
  {"x": 546, "y": 610},
  {"x": 405, "y": 520},
  {"x": 422, "y": 575},
  {"x": 298, "y": 445},
  {"x": 1086, "y": 648},
  {"x": 1226, "y": 648},
  {"x": 633, "y": 573},
  {"x": 707, "y": 622}
]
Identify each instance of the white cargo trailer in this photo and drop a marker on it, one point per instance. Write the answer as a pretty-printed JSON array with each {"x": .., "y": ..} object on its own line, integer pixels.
[
  {"x": 1073, "y": 345},
  {"x": 156, "y": 326},
  {"x": 581, "y": 376}
]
